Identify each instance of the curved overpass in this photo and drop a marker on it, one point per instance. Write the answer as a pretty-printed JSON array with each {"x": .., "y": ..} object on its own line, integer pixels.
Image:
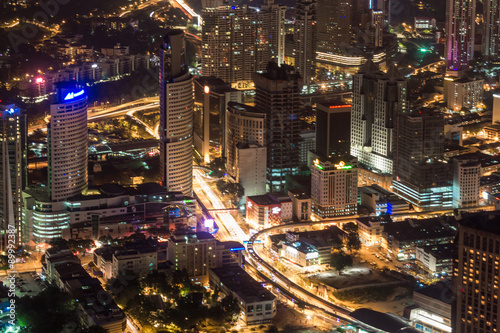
[{"x": 339, "y": 311}]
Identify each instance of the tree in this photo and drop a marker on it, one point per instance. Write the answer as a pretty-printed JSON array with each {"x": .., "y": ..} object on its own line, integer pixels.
[
  {"x": 353, "y": 243},
  {"x": 95, "y": 329},
  {"x": 340, "y": 260},
  {"x": 272, "y": 329}
]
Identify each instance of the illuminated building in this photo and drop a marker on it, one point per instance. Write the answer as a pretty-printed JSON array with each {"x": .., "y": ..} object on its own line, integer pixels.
[
  {"x": 421, "y": 176},
  {"x": 301, "y": 205},
  {"x": 264, "y": 211},
  {"x": 334, "y": 186},
  {"x": 435, "y": 259},
  {"x": 466, "y": 181},
  {"x": 475, "y": 274},
  {"x": 244, "y": 125},
  {"x": 306, "y": 144},
  {"x": 462, "y": 93},
  {"x": 277, "y": 94},
  {"x": 238, "y": 41},
  {"x": 257, "y": 304},
  {"x": 370, "y": 228},
  {"x": 377, "y": 100},
  {"x": 460, "y": 30},
  {"x": 424, "y": 23},
  {"x": 198, "y": 252},
  {"x": 67, "y": 137},
  {"x": 333, "y": 126},
  {"x": 496, "y": 109},
  {"x": 176, "y": 115},
  {"x": 211, "y": 97},
  {"x": 110, "y": 210},
  {"x": 491, "y": 35},
  {"x": 380, "y": 201},
  {"x": 402, "y": 238},
  {"x": 250, "y": 163},
  {"x": 305, "y": 38},
  {"x": 334, "y": 25},
  {"x": 13, "y": 174},
  {"x": 432, "y": 309}
]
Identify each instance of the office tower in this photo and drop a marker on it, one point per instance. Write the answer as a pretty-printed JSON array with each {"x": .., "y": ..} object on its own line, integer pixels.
[
  {"x": 334, "y": 186},
  {"x": 378, "y": 27},
  {"x": 377, "y": 100},
  {"x": 475, "y": 274},
  {"x": 13, "y": 176},
  {"x": 420, "y": 175},
  {"x": 251, "y": 168},
  {"x": 238, "y": 41},
  {"x": 176, "y": 115},
  {"x": 305, "y": 39},
  {"x": 463, "y": 92},
  {"x": 460, "y": 29},
  {"x": 334, "y": 19},
  {"x": 277, "y": 93},
  {"x": 466, "y": 181},
  {"x": 491, "y": 36},
  {"x": 333, "y": 128},
  {"x": 244, "y": 125},
  {"x": 211, "y": 97},
  {"x": 67, "y": 138},
  {"x": 306, "y": 144}
]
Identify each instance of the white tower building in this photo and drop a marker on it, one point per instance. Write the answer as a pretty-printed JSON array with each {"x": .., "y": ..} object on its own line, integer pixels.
[
  {"x": 176, "y": 115},
  {"x": 67, "y": 143}
]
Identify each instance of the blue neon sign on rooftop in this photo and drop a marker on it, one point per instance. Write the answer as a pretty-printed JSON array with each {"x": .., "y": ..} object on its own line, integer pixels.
[{"x": 73, "y": 95}]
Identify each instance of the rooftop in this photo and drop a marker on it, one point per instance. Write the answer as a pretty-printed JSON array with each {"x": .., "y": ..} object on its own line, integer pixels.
[
  {"x": 242, "y": 284},
  {"x": 416, "y": 230},
  {"x": 439, "y": 251},
  {"x": 382, "y": 321},
  {"x": 440, "y": 291},
  {"x": 486, "y": 221}
]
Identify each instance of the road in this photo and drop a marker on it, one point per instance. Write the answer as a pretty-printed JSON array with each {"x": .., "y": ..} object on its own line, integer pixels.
[
  {"x": 114, "y": 111},
  {"x": 223, "y": 220}
]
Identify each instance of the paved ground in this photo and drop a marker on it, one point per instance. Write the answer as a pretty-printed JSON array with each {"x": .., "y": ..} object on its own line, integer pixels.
[{"x": 26, "y": 284}]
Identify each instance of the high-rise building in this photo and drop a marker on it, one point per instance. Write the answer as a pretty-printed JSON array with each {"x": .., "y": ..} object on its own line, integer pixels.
[
  {"x": 466, "y": 182},
  {"x": 334, "y": 186},
  {"x": 211, "y": 97},
  {"x": 475, "y": 274},
  {"x": 251, "y": 165},
  {"x": 278, "y": 95},
  {"x": 67, "y": 138},
  {"x": 421, "y": 176},
  {"x": 378, "y": 27},
  {"x": 377, "y": 100},
  {"x": 491, "y": 35},
  {"x": 463, "y": 92},
  {"x": 334, "y": 26},
  {"x": 333, "y": 126},
  {"x": 176, "y": 115},
  {"x": 305, "y": 38},
  {"x": 244, "y": 125},
  {"x": 13, "y": 176},
  {"x": 306, "y": 144},
  {"x": 238, "y": 41},
  {"x": 460, "y": 30}
]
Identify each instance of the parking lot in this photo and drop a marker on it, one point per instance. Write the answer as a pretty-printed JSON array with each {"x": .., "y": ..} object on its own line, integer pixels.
[{"x": 28, "y": 283}]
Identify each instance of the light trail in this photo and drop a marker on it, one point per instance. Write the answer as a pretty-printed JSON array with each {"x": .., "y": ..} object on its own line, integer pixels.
[{"x": 227, "y": 220}]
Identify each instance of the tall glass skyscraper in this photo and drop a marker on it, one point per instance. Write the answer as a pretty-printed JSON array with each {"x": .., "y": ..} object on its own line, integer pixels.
[{"x": 13, "y": 176}]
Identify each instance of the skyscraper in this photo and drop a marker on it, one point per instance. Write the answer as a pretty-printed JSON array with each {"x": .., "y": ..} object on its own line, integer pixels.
[
  {"x": 491, "y": 36},
  {"x": 334, "y": 24},
  {"x": 13, "y": 166},
  {"x": 176, "y": 115},
  {"x": 244, "y": 125},
  {"x": 305, "y": 38},
  {"x": 377, "y": 100},
  {"x": 475, "y": 274},
  {"x": 333, "y": 126},
  {"x": 238, "y": 41},
  {"x": 67, "y": 138},
  {"x": 334, "y": 186},
  {"x": 460, "y": 29},
  {"x": 277, "y": 93},
  {"x": 421, "y": 176}
]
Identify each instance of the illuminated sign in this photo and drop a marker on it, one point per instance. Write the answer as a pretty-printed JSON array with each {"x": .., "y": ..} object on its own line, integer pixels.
[
  {"x": 342, "y": 166},
  {"x": 316, "y": 163},
  {"x": 207, "y": 90},
  {"x": 340, "y": 106},
  {"x": 39, "y": 80},
  {"x": 73, "y": 95},
  {"x": 249, "y": 204},
  {"x": 276, "y": 210}
]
